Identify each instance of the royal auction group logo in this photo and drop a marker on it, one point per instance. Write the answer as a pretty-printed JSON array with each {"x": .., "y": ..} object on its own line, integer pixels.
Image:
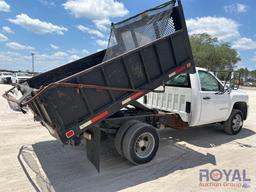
[{"x": 233, "y": 178}]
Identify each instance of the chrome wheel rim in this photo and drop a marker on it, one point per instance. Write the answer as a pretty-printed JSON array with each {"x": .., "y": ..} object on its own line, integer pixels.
[
  {"x": 237, "y": 122},
  {"x": 144, "y": 145}
]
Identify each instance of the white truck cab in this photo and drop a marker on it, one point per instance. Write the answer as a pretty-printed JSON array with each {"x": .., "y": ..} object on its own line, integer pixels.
[{"x": 200, "y": 99}]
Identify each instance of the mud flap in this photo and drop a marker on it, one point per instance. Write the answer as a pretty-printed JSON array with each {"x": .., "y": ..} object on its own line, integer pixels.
[{"x": 93, "y": 147}]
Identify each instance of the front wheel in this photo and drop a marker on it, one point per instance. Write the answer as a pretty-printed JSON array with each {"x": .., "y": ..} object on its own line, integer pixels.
[
  {"x": 140, "y": 143},
  {"x": 234, "y": 123}
]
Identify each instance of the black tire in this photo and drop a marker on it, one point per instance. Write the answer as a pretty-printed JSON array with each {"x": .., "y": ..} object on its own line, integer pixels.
[
  {"x": 132, "y": 141},
  {"x": 120, "y": 135},
  {"x": 232, "y": 128}
]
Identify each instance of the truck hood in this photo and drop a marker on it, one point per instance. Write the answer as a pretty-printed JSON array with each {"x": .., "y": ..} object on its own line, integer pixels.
[{"x": 240, "y": 94}]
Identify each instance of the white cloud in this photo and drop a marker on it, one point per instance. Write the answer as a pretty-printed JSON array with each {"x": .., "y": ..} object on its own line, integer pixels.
[
  {"x": 37, "y": 26},
  {"x": 99, "y": 11},
  {"x": 90, "y": 31},
  {"x": 236, "y": 8},
  {"x": 4, "y": 7},
  {"x": 18, "y": 46},
  {"x": 223, "y": 28},
  {"x": 72, "y": 51},
  {"x": 56, "y": 59},
  {"x": 3, "y": 37},
  {"x": 47, "y": 3},
  {"x": 254, "y": 58},
  {"x": 77, "y": 52},
  {"x": 96, "y": 9},
  {"x": 54, "y": 46},
  {"x": 85, "y": 51},
  {"x": 60, "y": 54},
  {"x": 43, "y": 62},
  {"x": 7, "y": 29},
  {"x": 241, "y": 8},
  {"x": 74, "y": 58},
  {"x": 244, "y": 44},
  {"x": 102, "y": 43},
  {"x": 102, "y": 24},
  {"x": 15, "y": 61}
]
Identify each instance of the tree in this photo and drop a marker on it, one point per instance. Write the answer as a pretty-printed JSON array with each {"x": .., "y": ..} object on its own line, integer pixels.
[
  {"x": 253, "y": 74},
  {"x": 244, "y": 73},
  {"x": 209, "y": 53}
]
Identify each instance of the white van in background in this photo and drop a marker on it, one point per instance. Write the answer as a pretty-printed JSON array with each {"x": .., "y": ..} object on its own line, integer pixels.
[
  {"x": 6, "y": 77},
  {"x": 19, "y": 77}
]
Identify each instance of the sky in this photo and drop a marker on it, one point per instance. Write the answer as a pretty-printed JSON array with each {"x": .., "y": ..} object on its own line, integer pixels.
[{"x": 62, "y": 31}]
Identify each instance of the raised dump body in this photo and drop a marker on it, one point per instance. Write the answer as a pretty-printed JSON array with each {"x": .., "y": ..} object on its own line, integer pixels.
[{"x": 73, "y": 98}]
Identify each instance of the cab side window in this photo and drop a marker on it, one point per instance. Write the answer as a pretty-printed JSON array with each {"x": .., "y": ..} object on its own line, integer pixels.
[
  {"x": 208, "y": 81},
  {"x": 181, "y": 80}
]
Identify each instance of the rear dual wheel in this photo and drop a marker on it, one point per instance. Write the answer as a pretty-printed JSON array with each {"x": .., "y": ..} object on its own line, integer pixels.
[
  {"x": 120, "y": 135},
  {"x": 139, "y": 143}
]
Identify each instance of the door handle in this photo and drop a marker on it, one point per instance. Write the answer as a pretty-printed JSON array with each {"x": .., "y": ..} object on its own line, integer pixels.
[{"x": 206, "y": 98}]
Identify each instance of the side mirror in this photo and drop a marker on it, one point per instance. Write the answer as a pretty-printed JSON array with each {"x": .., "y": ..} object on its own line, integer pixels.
[
  {"x": 227, "y": 88},
  {"x": 224, "y": 89}
]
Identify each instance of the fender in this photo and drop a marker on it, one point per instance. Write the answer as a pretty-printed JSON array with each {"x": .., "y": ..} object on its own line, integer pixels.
[{"x": 237, "y": 96}]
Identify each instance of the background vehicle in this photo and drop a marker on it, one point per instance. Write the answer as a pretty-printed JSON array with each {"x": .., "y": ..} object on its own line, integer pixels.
[
  {"x": 97, "y": 95},
  {"x": 20, "y": 77},
  {"x": 5, "y": 77}
]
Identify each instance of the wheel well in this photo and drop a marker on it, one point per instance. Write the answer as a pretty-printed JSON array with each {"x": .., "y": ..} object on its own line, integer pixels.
[{"x": 242, "y": 106}]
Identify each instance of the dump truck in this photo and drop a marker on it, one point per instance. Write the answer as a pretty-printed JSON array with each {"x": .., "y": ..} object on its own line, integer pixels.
[{"x": 97, "y": 95}]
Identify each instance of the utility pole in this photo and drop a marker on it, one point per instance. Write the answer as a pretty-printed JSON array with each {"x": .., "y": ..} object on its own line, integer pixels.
[{"x": 33, "y": 62}]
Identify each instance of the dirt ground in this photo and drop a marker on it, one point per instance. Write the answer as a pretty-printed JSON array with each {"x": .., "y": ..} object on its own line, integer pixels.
[{"x": 31, "y": 160}]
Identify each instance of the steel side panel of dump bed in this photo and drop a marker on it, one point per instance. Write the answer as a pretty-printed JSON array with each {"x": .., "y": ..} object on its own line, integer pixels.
[{"x": 71, "y": 111}]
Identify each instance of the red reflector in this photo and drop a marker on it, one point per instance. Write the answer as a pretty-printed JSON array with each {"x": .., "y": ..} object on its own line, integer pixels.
[
  {"x": 98, "y": 117},
  {"x": 179, "y": 70},
  {"x": 136, "y": 95},
  {"x": 70, "y": 133}
]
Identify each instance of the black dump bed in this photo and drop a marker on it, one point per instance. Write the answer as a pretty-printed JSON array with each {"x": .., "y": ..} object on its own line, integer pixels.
[{"x": 72, "y": 98}]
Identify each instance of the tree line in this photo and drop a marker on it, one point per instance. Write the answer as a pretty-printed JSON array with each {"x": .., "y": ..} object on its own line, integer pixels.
[
  {"x": 214, "y": 55},
  {"x": 246, "y": 74}
]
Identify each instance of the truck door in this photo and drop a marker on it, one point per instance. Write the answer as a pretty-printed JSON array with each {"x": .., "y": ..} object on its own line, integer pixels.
[{"x": 214, "y": 103}]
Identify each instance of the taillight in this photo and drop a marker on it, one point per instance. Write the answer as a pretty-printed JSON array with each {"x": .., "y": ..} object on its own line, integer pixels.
[{"x": 70, "y": 133}]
